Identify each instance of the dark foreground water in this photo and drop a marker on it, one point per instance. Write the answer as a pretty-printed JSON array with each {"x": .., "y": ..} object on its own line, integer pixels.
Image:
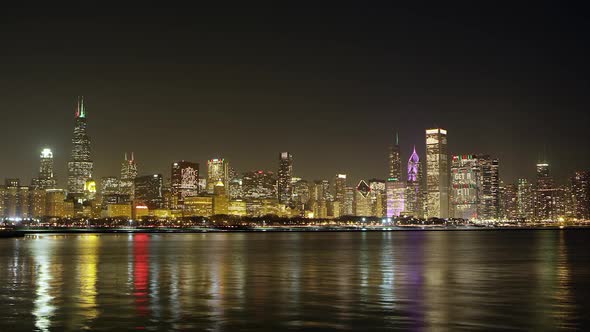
[{"x": 479, "y": 280}]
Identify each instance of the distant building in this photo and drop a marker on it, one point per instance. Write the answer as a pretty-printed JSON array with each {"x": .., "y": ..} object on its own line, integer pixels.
[
  {"x": 339, "y": 188},
  {"x": 437, "y": 173},
  {"x": 475, "y": 187},
  {"x": 217, "y": 170},
  {"x": 184, "y": 182},
  {"x": 80, "y": 165},
  {"x": 148, "y": 191},
  {"x": 414, "y": 204},
  {"x": 526, "y": 200},
  {"x": 198, "y": 206},
  {"x": 237, "y": 208},
  {"x": 362, "y": 200},
  {"x": 284, "y": 185},
  {"x": 259, "y": 185},
  {"x": 128, "y": 175},
  {"x": 378, "y": 197},
  {"x": 580, "y": 191},
  {"x": 45, "y": 179},
  {"x": 509, "y": 202},
  {"x": 55, "y": 205},
  {"x": 220, "y": 199},
  {"x": 545, "y": 190},
  {"x": 120, "y": 210}
]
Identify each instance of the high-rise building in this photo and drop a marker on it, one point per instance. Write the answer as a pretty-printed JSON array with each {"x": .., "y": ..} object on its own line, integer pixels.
[
  {"x": 220, "y": 199},
  {"x": 339, "y": 188},
  {"x": 395, "y": 161},
  {"x": 300, "y": 192},
  {"x": 392, "y": 185},
  {"x": 465, "y": 186},
  {"x": 148, "y": 191},
  {"x": 128, "y": 175},
  {"x": 580, "y": 192},
  {"x": 15, "y": 199},
  {"x": 217, "y": 170},
  {"x": 490, "y": 188},
  {"x": 259, "y": 185},
  {"x": 378, "y": 201},
  {"x": 413, "y": 200},
  {"x": 184, "y": 182},
  {"x": 544, "y": 197},
  {"x": 80, "y": 165},
  {"x": 55, "y": 205},
  {"x": 437, "y": 173},
  {"x": 362, "y": 200},
  {"x": 475, "y": 192},
  {"x": 46, "y": 179},
  {"x": 526, "y": 200},
  {"x": 284, "y": 185},
  {"x": 509, "y": 202}
]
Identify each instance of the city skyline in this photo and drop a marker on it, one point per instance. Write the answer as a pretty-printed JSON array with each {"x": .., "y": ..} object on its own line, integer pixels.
[{"x": 161, "y": 169}]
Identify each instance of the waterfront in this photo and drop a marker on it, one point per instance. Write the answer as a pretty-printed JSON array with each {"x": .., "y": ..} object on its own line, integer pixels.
[{"x": 477, "y": 280}]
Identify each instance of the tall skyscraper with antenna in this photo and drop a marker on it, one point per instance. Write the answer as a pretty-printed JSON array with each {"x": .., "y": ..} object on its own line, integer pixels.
[
  {"x": 80, "y": 166},
  {"x": 394, "y": 186},
  {"x": 128, "y": 175}
]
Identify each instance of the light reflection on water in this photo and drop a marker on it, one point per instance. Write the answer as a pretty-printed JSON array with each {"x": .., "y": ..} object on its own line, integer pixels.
[{"x": 482, "y": 280}]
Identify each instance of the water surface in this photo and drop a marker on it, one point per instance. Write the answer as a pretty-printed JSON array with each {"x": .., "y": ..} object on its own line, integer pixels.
[{"x": 476, "y": 280}]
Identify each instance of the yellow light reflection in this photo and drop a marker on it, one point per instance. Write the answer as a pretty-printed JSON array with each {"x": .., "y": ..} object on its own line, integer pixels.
[
  {"x": 43, "y": 309},
  {"x": 87, "y": 276}
]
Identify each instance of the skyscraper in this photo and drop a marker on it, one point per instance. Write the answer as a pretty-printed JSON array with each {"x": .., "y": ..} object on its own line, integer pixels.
[
  {"x": 581, "y": 195},
  {"x": 544, "y": 200},
  {"x": 128, "y": 175},
  {"x": 394, "y": 186},
  {"x": 184, "y": 182},
  {"x": 45, "y": 180},
  {"x": 340, "y": 192},
  {"x": 395, "y": 163},
  {"x": 259, "y": 185},
  {"x": 437, "y": 173},
  {"x": 148, "y": 190},
  {"x": 217, "y": 170},
  {"x": 414, "y": 204},
  {"x": 284, "y": 185},
  {"x": 490, "y": 188},
  {"x": 526, "y": 200},
  {"x": 80, "y": 165},
  {"x": 362, "y": 200}
]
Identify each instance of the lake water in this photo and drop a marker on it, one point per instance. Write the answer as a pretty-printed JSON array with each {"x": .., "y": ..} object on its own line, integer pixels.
[{"x": 420, "y": 280}]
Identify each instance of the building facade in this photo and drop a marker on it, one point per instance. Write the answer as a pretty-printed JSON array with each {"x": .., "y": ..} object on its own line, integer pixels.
[
  {"x": 437, "y": 173},
  {"x": 80, "y": 166},
  {"x": 284, "y": 185}
]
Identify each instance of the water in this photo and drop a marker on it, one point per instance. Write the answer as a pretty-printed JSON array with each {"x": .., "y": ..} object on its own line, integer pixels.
[{"x": 480, "y": 280}]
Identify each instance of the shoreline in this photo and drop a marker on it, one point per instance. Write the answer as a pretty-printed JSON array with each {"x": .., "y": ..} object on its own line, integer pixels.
[{"x": 29, "y": 231}]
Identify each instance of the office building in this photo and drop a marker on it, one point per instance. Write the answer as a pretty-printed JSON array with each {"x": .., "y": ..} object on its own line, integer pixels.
[
  {"x": 80, "y": 166},
  {"x": 437, "y": 173},
  {"x": 284, "y": 185}
]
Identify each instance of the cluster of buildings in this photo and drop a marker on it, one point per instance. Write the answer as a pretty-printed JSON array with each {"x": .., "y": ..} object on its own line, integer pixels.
[{"x": 439, "y": 186}]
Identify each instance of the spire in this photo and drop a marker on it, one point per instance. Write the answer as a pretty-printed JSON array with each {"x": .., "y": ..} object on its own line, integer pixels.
[
  {"x": 132, "y": 158},
  {"x": 125, "y": 156},
  {"x": 80, "y": 111},
  {"x": 396, "y": 138}
]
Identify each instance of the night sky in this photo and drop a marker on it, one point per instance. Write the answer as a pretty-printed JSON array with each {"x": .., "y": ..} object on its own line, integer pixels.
[{"x": 330, "y": 85}]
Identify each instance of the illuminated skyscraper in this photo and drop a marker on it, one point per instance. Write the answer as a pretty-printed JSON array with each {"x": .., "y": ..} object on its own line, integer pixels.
[
  {"x": 437, "y": 173},
  {"x": 580, "y": 192},
  {"x": 362, "y": 200},
  {"x": 45, "y": 180},
  {"x": 80, "y": 165},
  {"x": 526, "y": 200},
  {"x": 413, "y": 202},
  {"x": 544, "y": 198},
  {"x": 284, "y": 186},
  {"x": 465, "y": 186},
  {"x": 148, "y": 191},
  {"x": 475, "y": 187},
  {"x": 509, "y": 202},
  {"x": 394, "y": 186},
  {"x": 490, "y": 188},
  {"x": 378, "y": 201},
  {"x": 217, "y": 170},
  {"x": 340, "y": 193},
  {"x": 128, "y": 175},
  {"x": 259, "y": 185},
  {"x": 184, "y": 182},
  {"x": 395, "y": 162}
]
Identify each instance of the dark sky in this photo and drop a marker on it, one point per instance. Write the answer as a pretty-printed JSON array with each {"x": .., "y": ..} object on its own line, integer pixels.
[{"x": 328, "y": 84}]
